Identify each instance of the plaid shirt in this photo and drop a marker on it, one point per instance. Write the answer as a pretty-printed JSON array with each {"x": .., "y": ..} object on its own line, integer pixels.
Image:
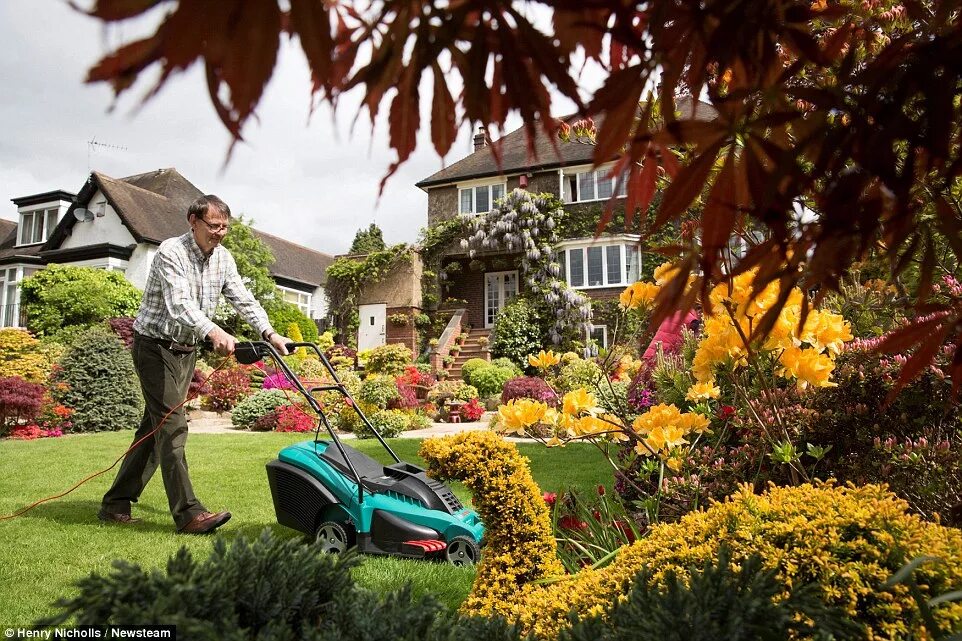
[{"x": 183, "y": 289}]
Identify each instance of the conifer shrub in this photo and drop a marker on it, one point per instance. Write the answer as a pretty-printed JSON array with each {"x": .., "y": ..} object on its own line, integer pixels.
[
  {"x": 269, "y": 589},
  {"x": 96, "y": 379},
  {"x": 245, "y": 414}
]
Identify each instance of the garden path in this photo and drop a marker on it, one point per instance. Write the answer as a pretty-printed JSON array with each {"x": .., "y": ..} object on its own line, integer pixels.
[{"x": 202, "y": 422}]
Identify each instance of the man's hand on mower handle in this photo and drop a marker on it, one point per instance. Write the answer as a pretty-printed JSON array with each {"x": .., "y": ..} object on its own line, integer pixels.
[
  {"x": 223, "y": 342},
  {"x": 280, "y": 343}
]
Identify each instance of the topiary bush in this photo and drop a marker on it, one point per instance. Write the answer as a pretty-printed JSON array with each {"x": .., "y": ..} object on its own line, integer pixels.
[
  {"x": 529, "y": 387},
  {"x": 518, "y": 331},
  {"x": 388, "y": 359},
  {"x": 96, "y": 379},
  {"x": 389, "y": 423},
  {"x": 60, "y": 296},
  {"x": 248, "y": 410},
  {"x": 470, "y": 366},
  {"x": 490, "y": 380}
]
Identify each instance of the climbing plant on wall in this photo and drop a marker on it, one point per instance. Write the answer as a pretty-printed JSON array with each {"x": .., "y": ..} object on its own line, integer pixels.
[
  {"x": 527, "y": 223},
  {"x": 346, "y": 277}
]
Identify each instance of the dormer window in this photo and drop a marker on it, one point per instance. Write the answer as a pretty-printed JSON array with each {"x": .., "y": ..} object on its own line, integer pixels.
[
  {"x": 480, "y": 199},
  {"x": 36, "y": 226}
]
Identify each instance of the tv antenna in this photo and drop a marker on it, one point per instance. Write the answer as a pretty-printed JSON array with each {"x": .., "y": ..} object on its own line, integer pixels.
[{"x": 94, "y": 145}]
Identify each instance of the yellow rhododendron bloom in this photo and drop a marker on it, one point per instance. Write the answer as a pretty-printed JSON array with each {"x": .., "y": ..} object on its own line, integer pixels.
[
  {"x": 520, "y": 414},
  {"x": 694, "y": 422},
  {"x": 578, "y": 401},
  {"x": 641, "y": 293},
  {"x": 807, "y": 366},
  {"x": 702, "y": 392},
  {"x": 674, "y": 463},
  {"x": 664, "y": 273},
  {"x": 544, "y": 359}
]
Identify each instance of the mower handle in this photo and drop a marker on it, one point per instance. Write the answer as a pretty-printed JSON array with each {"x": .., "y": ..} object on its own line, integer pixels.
[{"x": 249, "y": 353}]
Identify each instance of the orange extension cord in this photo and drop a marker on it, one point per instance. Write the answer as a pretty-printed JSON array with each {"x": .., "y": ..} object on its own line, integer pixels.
[{"x": 120, "y": 458}]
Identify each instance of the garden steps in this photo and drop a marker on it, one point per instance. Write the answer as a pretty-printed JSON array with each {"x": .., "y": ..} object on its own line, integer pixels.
[{"x": 470, "y": 349}]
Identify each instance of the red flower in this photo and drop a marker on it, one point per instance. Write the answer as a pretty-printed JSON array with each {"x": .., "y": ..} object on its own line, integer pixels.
[
  {"x": 550, "y": 498},
  {"x": 569, "y": 522},
  {"x": 601, "y": 490},
  {"x": 726, "y": 412}
]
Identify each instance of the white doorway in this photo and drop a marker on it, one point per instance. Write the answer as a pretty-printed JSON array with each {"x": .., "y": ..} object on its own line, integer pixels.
[
  {"x": 371, "y": 332},
  {"x": 499, "y": 288}
]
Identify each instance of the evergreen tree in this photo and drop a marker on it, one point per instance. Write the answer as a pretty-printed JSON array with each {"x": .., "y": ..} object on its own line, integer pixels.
[{"x": 368, "y": 240}]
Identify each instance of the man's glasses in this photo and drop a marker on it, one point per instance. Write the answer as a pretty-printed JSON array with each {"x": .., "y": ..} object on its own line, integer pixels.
[{"x": 215, "y": 229}]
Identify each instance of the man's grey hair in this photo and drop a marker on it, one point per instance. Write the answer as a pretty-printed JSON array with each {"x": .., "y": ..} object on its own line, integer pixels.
[{"x": 202, "y": 205}]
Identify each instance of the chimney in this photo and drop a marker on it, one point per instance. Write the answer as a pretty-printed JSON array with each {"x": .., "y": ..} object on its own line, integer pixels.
[{"x": 480, "y": 139}]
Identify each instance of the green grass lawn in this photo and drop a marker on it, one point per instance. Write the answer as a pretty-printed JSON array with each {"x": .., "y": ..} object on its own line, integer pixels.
[{"x": 45, "y": 551}]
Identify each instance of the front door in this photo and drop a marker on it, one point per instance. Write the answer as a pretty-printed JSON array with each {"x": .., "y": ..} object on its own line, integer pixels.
[
  {"x": 499, "y": 288},
  {"x": 372, "y": 331}
]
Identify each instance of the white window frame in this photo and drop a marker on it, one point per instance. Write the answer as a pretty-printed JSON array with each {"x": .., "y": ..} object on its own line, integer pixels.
[
  {"x": 575, "y": 173},
  {"x": 472, "y": 187},
  {"x": 14, "y": 311},
  {"x": 304, "y": 307},
  {"x": 591, "y": 349},
  {"x": 623, "y": 241},
  {"x": 45, "y": 228}
]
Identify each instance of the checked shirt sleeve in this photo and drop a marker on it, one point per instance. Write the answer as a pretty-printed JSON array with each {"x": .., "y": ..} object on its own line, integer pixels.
[
  {"x": 242, "y": 300},
  {"x": 178, "y": 297}
]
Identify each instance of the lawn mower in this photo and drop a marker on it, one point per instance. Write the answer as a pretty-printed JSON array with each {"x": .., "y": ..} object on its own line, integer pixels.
[{"x": 342, "y": 497}]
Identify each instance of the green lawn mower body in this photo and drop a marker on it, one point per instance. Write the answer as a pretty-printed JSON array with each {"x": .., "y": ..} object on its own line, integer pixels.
[{"x": 343, "y": 497}]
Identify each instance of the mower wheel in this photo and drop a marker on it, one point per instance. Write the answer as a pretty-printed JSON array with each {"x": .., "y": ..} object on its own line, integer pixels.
[
  {"x": 462, "y": 550},
  {"x": 333, "y": 537}
]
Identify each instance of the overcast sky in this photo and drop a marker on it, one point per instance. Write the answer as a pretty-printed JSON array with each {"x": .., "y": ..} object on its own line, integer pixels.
[{"x": 311, "y": 182}]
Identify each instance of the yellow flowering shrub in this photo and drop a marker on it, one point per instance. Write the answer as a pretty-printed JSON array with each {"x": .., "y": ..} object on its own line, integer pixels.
[
  {"x": 519, "y": 546},
  {"x": 23, "y": 355},
  {"x": 806, "y": 355},
  {"x": 848, "y": 540}
]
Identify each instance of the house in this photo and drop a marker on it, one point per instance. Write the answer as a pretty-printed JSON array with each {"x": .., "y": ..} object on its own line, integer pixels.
[{"x": 117, "y": 224}]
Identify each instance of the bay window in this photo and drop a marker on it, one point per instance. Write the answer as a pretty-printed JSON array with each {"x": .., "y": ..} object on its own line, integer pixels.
[{"x": 612, "y": 263}]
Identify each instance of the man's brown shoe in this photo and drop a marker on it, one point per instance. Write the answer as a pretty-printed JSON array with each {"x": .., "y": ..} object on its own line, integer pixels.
[
  {"x": 205, "y": 522},
  {"x": 116, "y": 517}
]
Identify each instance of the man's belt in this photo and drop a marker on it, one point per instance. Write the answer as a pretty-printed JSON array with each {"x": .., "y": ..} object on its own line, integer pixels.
[{"x": 168, "y": 344}]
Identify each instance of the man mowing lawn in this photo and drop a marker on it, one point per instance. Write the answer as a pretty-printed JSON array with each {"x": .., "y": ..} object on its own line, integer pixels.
[{"x": 187, "y": 277}]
